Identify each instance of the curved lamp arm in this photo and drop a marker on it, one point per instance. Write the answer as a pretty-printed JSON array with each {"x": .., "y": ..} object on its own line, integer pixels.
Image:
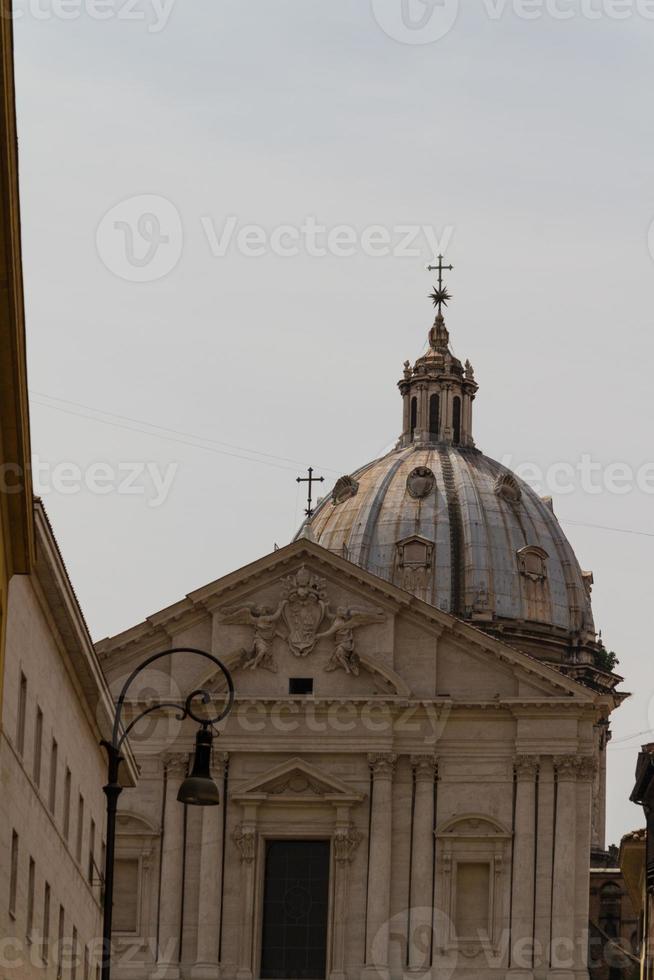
[{"x": 186, "y": 709}]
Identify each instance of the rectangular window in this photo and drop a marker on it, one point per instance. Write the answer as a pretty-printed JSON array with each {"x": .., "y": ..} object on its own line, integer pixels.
[
  {"x": 74, "y": 954},
  {"x": 30, "y": 900},
  {"x": 87, "y": 963},
  {"x": 91, "y": 869},
  {"x": 60, "y": 940},
  {"x": 472, "y": 901},
  {"x": 45, "y": 950},
  {"x": 38, "y": 745},
  {"x": 80, "y": 829},
  {"x": 13, "y": 875},
  {"x": 295, "y": 903},
  {"x": 67, "y": 790},
  {"x": 52, "y": 793},
  {"x": 126, "y": 888},
  {"x": 300, "y": 685},
  {"x": 22, "y": 713}
]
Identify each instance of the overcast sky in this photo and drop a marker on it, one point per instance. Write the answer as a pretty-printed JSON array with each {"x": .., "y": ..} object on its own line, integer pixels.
[{"x": 151, "y": 138}]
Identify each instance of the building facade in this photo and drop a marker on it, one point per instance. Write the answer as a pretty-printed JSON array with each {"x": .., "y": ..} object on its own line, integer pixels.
[
  {"x": 412, "y": 779},
  {"x": 57, "y": 707},
  {"x": 16, "y": 531}
]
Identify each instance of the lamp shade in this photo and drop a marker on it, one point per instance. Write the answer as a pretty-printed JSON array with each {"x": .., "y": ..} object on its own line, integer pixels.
[{"x": 199, "y": 789}]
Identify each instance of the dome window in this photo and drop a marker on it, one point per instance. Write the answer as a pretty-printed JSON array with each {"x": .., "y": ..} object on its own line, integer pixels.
[
  {"x": 532, "y": 562},
  {"x": 434, "y": 417},
  {"x": 415, "y": 552},
  {"x": 456, "y": 421},
  {"x": 508, "y": 488}
]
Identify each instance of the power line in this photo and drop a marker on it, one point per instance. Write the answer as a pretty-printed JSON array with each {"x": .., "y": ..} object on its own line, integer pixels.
[{"x": 171, "y": 435}]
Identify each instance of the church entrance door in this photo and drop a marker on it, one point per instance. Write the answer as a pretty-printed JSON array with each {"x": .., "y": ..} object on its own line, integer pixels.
[{"x": 295, "y": 906}]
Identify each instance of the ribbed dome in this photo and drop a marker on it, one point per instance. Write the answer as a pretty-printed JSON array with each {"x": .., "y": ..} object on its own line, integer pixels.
[
  {"x": 461, "y": 532},
  {"x": 439, "y": 519}
]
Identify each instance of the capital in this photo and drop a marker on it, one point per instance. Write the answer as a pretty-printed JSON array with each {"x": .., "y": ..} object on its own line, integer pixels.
[
  {"x": 382, "y": 764},
  {"x": 425, "y": 768},
  {"x": 245, "y": 839},
  {"x": 565, "y": 767},
  {"x": 526, "y": 767},
  {"x": 587, "y": 768},
  {"x": 346, "y": 841}
]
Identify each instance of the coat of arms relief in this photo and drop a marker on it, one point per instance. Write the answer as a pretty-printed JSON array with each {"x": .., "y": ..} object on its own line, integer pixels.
[{"x": 302, "y": 618}]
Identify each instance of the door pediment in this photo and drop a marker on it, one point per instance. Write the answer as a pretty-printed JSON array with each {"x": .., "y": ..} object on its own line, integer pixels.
[{"x": 296, "y": 781}]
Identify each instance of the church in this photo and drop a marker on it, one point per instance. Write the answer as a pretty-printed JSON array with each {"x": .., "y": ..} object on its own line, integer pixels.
[{"x": 413, "y": 777}]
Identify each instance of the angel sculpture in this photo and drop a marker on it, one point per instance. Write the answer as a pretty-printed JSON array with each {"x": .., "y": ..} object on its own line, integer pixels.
[
  {"x": 264, "y": 620},
  {"x": 342, "y": 629}
]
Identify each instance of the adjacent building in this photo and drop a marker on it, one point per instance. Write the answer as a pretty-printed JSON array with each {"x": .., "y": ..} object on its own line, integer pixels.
[
  {"x": 56, "y": 709},
  {"x": 16, "y": 532}
]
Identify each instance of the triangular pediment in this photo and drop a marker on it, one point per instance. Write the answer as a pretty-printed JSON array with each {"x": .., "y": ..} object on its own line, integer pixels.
[
  {"x": 296, "y": 780},
  {"x": 380, "y": 611}
]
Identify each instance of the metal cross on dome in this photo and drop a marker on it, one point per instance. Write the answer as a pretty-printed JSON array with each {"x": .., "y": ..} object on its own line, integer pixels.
[
  {"x": 310, "y": 479},
  {"x": 440, "y": 296}
]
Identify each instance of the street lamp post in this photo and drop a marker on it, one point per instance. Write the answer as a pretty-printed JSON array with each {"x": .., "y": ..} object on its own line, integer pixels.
[{"x": 198, "y": 789}]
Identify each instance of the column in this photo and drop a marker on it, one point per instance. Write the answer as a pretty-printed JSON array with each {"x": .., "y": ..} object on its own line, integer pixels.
[
  {"x": 563, "y": 884},
  {"x": 586, "y": 773},
  {"x": 245, "y": 838},
  {"x": 422, "y": 865},
  {"x": 210, "y": 885},
  {"x": 379, "y": 866},
  {"x": 544, "y": 858},
  {"x": 172, "y": 861},
  {"x": 524, "y": 854},
  {"x": 345, "y": 842}
]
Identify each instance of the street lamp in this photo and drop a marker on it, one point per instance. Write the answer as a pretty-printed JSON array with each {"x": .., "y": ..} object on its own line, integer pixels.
[{"x": 198, "y": 789}]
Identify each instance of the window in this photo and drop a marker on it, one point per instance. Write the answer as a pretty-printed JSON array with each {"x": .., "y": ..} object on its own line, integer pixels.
[
  {"x": 80, "y": 828},
  {"x": 87, "y": 964},
  {"x": 13, "y": 875},
  {"x": 126, "y": 889},
  {"x": 414, "y": 415},
  {"x": 91, "y": 852},
  {"x": 295, "y": 900},
  {"x": 45, "y": 951},
  {"x": 73, "y": 957},
  {"x": 532, "y": 562},
  {"x": 38, "y": 745},
  {"x": 60, "y": 940},
  {"x": 300, "y": 685},
  {"x": 456, "y": 420},
  {"x": 30, "y": 900},
  {"x": 52, "y": 793},
  {"x": 67, "y": 789},
  {"x": 22, "y": 709},
  {"x": 434, "y": 417}
]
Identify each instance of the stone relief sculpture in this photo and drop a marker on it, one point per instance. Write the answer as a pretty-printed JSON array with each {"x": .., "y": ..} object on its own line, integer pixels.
[
  {"x": 297, "y": 619},
  {"x": 342, "y": 629},
  {"x": 304, "y": 607},
  {"x": 265, "y": 622}
]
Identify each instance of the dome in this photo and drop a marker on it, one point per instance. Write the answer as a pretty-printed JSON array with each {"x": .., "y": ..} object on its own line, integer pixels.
[
  {"x": 460, "y": 531},
  {"x": 442, "y": 521}
]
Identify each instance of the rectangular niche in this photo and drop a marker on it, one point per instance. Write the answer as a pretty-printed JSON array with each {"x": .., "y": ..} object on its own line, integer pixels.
[{"x": 473, "y": 895}]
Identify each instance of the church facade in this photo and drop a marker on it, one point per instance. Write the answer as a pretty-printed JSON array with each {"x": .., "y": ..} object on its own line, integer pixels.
[{"x": 413, "y": 775}]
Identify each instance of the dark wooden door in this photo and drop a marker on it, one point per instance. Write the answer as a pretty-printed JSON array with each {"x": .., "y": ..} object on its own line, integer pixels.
[{"x": 295, "y": 905}]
